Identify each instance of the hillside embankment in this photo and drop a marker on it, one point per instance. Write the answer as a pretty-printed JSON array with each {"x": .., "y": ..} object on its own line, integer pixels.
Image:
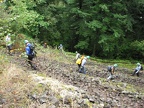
[{"x": 57, "y": 84}]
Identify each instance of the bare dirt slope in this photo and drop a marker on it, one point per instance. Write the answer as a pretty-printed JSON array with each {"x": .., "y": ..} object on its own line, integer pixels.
[{"x": 125, "y": 91}]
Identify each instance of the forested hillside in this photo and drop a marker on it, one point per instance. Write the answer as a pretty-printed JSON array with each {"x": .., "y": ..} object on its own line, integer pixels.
[{"x": 101, "y": 28}]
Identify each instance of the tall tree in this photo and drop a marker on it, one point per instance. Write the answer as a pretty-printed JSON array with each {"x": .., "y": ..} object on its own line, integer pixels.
[
  {"x": 98, "y": 25},
  {"x": 95, "y": 27}
]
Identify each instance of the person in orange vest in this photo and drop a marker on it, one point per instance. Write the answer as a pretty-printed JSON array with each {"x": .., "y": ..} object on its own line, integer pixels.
[{"x": 82, "y": 57}]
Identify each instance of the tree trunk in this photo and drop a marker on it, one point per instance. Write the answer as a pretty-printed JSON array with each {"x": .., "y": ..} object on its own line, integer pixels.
[{"x": 94, "y": 50}]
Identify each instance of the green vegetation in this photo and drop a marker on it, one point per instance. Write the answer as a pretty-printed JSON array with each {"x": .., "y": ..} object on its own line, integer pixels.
[
  {"x": 106, "y": 29},
  {"x": 121, "y": 63}
]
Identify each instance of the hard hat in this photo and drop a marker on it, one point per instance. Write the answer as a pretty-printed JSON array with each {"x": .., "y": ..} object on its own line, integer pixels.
[
  {"x": 115, "y": 65},
  {"x": 26, "y": 41},
  {"x": 88, "y": 57},
  {"x": 138, "y": 63}
]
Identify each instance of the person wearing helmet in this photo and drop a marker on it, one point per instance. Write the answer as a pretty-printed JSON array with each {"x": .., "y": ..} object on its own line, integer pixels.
[
  {"x": 8, "y": 43},
  {"x": 29, "y": 53},
  {"x": 60, "y": 47},
  {"x": 111, "y": 70},
  {"x": 137, "y": 69},
  {"x": 82, "y": 68},
  {"x": 77, "y": 55}
]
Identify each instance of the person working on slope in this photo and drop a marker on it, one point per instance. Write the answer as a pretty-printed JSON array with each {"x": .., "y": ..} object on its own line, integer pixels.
[
  {"x": 45, "y": 45},
  {"x": 111, "y": 70},
  {"x": 82, "y": 68},
  {"x": 30, "y": 53},
  {"x": 77, "y": 55},
  {"x": 8, "y": 43},
  {"x": 137, "y": 69},
  {"x": 78, "y": 62},
  {"x": 60, "y": 47}
]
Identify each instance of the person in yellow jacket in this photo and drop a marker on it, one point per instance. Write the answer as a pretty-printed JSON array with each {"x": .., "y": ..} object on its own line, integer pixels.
[{"x": 79, "y": 61}]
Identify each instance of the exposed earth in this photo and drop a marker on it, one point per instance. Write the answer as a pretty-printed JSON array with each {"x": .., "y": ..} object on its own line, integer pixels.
[{"x": 77, "y": 90}]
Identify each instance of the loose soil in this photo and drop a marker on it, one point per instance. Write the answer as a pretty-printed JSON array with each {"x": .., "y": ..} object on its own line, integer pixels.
[{"x": 124, "y": 91}]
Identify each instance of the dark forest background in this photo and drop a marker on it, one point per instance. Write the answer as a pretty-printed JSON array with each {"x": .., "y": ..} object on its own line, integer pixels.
[{"x": 100, "y": 28}]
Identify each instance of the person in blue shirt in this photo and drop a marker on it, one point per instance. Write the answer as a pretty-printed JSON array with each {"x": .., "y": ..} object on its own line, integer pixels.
[
  {"x": 137, "y": 69},
  {"x": 29, "y": 53}
]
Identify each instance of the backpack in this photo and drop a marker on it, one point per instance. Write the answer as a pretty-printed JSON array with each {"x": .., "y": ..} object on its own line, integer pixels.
[
  {"x": 78, "y": 61},
  {"x": 141, "y": 68},
  {"x": 109, "y": 68},
  {"x": 32, "y": 50}
]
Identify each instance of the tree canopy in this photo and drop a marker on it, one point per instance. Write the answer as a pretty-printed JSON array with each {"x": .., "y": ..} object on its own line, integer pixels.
[{"x": 107, "y": 29}]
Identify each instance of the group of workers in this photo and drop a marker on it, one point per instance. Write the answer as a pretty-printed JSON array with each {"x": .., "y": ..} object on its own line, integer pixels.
[
  {"x": 80, "y": 60},
  {"x": 28, "y": 49}
]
